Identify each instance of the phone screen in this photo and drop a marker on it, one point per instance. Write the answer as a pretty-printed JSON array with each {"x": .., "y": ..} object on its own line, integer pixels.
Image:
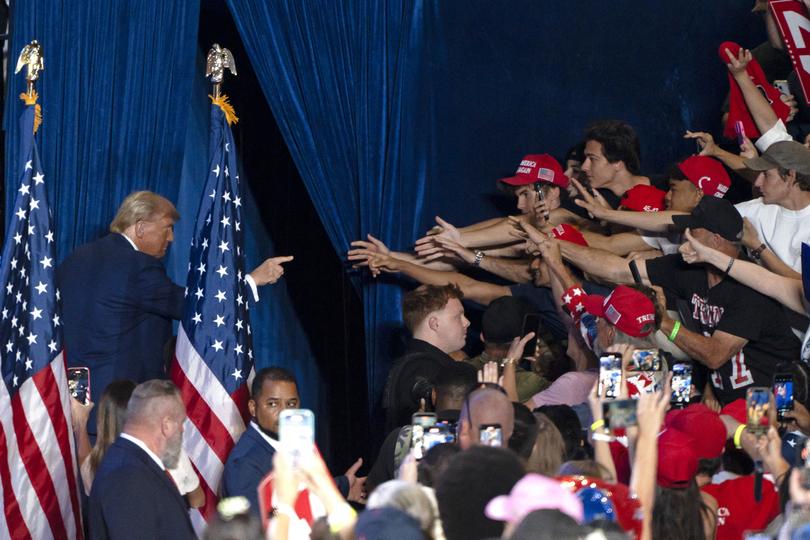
[
  {"x": 620, "y": 413},
  {"x": 441, "y": 433},
  {"x": 490, "y": 434},
  {"x": 296, "y": 433},
  {"x": 681, "y": 384},
  {"x": 531, "y": 323},
  {"x": 79, "y": 384},
  {"x": 740, "y": 130},
  {"x": 757, "y": 402},
  {"x": 610, "y": 376},
  {"x": 538, "y": 188},
  {"x": 783, "y": 394},
  {"x": 420, "y": 424},
  {"x": 644, "y": 372}
]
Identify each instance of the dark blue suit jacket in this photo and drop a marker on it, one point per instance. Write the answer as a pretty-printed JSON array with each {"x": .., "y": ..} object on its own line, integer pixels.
[
  {"x": 117, "y": 311},
  {"x": 249, "y": 461},
  {"x": 134, "y": 498}
]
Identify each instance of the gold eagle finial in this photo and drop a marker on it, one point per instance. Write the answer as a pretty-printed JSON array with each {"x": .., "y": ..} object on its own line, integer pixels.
[
  {"x": 219, "y": 59},
  {"x": 31, "y": 56}
]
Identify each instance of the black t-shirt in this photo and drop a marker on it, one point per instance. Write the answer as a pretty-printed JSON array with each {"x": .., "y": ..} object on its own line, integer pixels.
[{"x": 735, "y": 309}]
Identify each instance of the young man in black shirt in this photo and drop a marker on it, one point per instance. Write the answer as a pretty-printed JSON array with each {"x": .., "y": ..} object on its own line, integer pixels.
[{"x": 733, "y": 330}]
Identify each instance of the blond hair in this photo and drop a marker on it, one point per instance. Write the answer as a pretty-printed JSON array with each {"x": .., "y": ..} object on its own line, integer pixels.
[{"x": 141, "y": 206}]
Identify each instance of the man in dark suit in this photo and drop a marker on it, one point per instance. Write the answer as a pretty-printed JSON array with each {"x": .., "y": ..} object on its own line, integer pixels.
[
  {"x": 133, "y": 495},
  {"x": 118, "y": 302},
  {"x": 274, "y": 389}
]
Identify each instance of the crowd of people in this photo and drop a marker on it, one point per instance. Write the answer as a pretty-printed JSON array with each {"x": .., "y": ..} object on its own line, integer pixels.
[{"x": 643, "y": 368}]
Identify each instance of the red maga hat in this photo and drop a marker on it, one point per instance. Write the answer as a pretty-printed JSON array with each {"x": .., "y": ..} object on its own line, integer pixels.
[
  {"x": 625, "y": 308},
  {"x": 643, "y": 198},
  {"x": 537, "y": 168},
  {"x": 566, "y": 232}
]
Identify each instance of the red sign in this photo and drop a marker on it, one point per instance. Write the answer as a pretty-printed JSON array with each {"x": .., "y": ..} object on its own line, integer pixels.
[{"x": 791, "y": 19}]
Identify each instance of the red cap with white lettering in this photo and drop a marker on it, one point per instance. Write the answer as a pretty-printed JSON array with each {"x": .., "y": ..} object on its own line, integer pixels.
[
  {"x": 626, "y": 308},
  {"x": 537, "y": 168}
]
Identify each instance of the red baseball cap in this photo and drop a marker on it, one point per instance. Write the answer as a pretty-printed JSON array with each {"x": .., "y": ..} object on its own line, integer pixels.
[
  {"x": 566, "y": 232},
  {"x": 537, "y": 168},
  {"x": 677, "y": 459},
  {"x": 703, "y": 425},
  {"x": 625, "y": 308},
  {"x": 643, "y": 198},
  {"x": 707, "y": 174}
]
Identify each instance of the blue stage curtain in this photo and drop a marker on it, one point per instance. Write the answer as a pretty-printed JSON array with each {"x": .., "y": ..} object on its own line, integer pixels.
[
  {"x": 344, "y": 82},
  {"x": 114, "y": 97}
]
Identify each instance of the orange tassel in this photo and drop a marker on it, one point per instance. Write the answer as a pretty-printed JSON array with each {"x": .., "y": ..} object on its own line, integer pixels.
[
  {"x": 31, "y": 99},
  {"x": 227, "y": 108}
]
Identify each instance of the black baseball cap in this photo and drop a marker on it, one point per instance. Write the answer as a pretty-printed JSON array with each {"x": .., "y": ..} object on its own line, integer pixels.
[
  {"x": 503, "y": 319},
  {"x": 716, "y": 215}
]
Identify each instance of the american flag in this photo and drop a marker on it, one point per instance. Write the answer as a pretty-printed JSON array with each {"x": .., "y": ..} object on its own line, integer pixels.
[
  {"x": 37, "y": 465},
  {"x": 214, "y": 354}
]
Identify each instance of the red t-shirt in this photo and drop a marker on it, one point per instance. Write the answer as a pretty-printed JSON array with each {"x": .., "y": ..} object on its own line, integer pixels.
[{"x": 737, "y": 511}]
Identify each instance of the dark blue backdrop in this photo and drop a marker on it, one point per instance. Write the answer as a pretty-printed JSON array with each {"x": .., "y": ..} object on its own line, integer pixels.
[{"x": 393, "y": 111}]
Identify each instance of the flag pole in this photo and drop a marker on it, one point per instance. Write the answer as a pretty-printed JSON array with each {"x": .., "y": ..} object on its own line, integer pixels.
[
  {"x": 31, "y": 58},
  {"x": 218, "y": 60}
]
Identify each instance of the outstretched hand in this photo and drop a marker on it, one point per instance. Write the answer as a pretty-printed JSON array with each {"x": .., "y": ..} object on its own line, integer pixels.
[
  {"x": 365, "y": 249},
  {"x": 592, "y": 201},
  {"x": 705, "y": 141},
  {"x": 382, "y": 263},
  {"x": 270, "y": 270},
  {"x": 739, "y": 63},
  {"x": 427, "y": 245}
]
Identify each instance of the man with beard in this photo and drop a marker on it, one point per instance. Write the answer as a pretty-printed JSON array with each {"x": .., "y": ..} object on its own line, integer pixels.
[
  {"x": 133, "y": 495},
  {"x": 273, "y": 390}
]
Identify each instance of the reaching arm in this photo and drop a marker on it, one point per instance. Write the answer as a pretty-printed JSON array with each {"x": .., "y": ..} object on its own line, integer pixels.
[
  {"x": 709, "y": 148},
  {"x": 758, "y": 106},
  {"x": 494, "y": 234},
  {"x": 477, "y": 291},
  {"x": 647, "y": 221},
  {"x": 516, "y": 270},
  {"x": 618, "y": 244},
  {"x": 785, "y": 290},
  {"x": 602, "y": 264}
]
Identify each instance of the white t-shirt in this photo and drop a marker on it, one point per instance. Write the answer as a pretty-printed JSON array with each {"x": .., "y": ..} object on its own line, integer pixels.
[
  {"x": 667, "y": 243},
  {"x": 805, "y": 356},
  {"x": 782, "y": 230}
]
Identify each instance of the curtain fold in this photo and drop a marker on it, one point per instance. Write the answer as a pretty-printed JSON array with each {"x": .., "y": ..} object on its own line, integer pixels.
[
  {"x": 344, "y": 81},
  {"x": 114, "y": 96}
]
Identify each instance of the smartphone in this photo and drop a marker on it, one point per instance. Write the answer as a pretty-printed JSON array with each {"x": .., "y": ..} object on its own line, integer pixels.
[
  {"x": 644, "y": 372},
  {"x": 490, "y": 434},
  {"x": 619, "y": 414},
  {"x": 740, "y": 130},
  {"x": 783, "y": 394},
  {"x": 782, "y": 86},
  {"x": 440, "y": 433},
  {"x": 420, "y": 423},
  {"x": 296, "y": 433},
  {"x": 634, "y": 270},
  {"x": 531, "y": 323},
  {"x": 610, "y": 376},
  {"x": 681, "y": 385},
  {"x": 538, "y": 188},
  {"x": 79, "y": 384},
  {"x": 757, "y": 402}
]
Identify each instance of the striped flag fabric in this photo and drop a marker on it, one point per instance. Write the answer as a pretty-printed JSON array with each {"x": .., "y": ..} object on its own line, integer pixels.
[
  {"x": 37, "y": 464},
  {"x": 214, "y": 354}
]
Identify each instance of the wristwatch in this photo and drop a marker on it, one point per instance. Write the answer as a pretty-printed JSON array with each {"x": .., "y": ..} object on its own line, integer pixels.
[
  {"x": 757, "y": 253},
  {"x": 479, "y": 255}
]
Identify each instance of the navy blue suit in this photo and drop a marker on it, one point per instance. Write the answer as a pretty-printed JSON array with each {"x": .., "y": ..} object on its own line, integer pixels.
[
  {"x": 117, "y": 310},
  {"x": 249, "y": 461},
  {"x": 132, "y": 497}
]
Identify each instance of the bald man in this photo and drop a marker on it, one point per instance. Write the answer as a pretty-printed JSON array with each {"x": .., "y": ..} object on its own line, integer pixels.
[{"x": 485, "y": 406}]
